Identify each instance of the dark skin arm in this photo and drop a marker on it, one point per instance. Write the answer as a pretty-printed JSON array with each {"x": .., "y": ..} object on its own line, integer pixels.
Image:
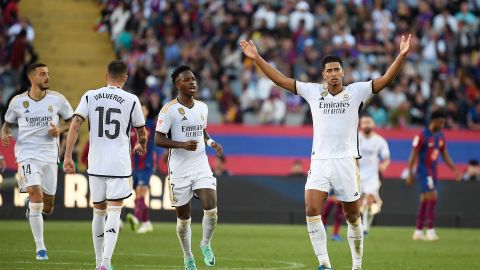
[
  {"x": 218, "y": 147},
  {"x": 448, "y": 160},
  {"x": 162, "y": 140},
  {"x": 411, "y": 162},
  {"x": 394, "y": 69}
]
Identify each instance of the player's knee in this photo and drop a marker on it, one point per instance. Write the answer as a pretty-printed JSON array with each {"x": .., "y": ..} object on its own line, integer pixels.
[
  {"x": 47, "y": 209},
  {"x": 313, "y": 210},
  {"x": 352, "y": 216}
]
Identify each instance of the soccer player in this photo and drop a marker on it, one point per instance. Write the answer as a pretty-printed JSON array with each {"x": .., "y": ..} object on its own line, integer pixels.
[
  {"x": 37, "y": 113},
  {"x": 143, "y": 166},
  {"x": 111, "y": 113},
  {"x": 426, "y": 148},
  {"x": 181, "y": 127},
  {"x": 335, "y": 110},
  {"x": 375, "y": 159}
]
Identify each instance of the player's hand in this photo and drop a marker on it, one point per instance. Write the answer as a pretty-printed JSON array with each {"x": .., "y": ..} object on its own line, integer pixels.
[
  {"x": 405, "y": 45},
  {"x": 140, "y": 149},
  {"x": 190, "y": 145},
  {"x": 54, "y": 131},
  {"x": 458, "y": 175},
  {"x": 249, "y": 49},
  {"x": 409, "y": 180},
  {"x": 218, "y": 147},
  {"x": 6, "y": 138},
  {"x": 68, "y": 165}
]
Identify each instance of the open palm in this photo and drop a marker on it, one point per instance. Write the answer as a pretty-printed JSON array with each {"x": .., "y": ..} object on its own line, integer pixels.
[
  {"x": 249, "y": 49},
  {"x": 405, "y": 45}
]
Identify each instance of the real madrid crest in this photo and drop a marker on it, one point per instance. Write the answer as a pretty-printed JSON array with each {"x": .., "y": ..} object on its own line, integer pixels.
[
  {"x": 345, "y": 97},
  {"x": 26, "y": 104},
  {"x": 181, "y": 111},
  {"x": 50, "y": 108},
  {"x": 324, "y": 93}
]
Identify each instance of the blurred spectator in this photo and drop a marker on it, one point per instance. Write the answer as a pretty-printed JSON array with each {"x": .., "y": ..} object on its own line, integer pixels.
[
  {"x": 443, "y": 68},
  {"x": 472, "y": 173},
  {"x": 473, "y": 117},
  {"x": 297, "y": 169},
  {"x": 219, "y": 168},
  {"x": 273, "y": 110}
]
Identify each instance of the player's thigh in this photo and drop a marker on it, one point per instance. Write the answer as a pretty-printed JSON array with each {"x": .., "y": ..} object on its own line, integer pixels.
[
  {"x": 319, "y": 175},
  {"x": 205, "y": 187},
  {"x": 98, "y": 189},
  {"x": 118, "y": 189},
  {"x": 49, "y": 178},
  {"x": 346, "y": 179},
  {"x": 30, "y": 179},
  {"x": 181, "y": 191},
  {"x": 142, "y": 178},
  {"x": 426, "y": 183}
]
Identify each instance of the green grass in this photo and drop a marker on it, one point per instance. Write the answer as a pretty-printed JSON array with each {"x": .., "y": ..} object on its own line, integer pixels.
[{"x": 69, "y": 246}]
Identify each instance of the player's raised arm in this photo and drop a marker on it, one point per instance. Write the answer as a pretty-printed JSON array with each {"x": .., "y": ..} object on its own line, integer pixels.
[
  {"x": 68, "y": 164},
  {"x": 272, "y": 73},
  {"x": 394, "y": 69},
  {"x": 162, "y": 140},
  {"x": 213, "y": 144}
]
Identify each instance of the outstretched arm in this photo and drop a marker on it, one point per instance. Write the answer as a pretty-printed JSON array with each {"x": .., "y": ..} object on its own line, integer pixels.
[
  {"x": 272, "y": 73},
  {"x": 448, "y": 160},
  {"x": 68, "y": 165},
  {"x": 394, "y": 69}
]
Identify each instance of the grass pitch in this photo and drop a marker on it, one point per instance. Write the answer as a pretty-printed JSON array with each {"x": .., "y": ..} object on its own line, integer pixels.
[{"x": 70, "y": 246}]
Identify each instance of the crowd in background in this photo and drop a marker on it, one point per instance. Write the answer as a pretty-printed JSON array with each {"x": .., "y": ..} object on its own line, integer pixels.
[
  {"x": 16, "y": 51},
  {"x": 442, "y": 70}
]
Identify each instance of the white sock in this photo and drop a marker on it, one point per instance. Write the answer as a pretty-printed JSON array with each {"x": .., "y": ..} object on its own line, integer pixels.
[
  {"x": 112, "y": 226},
  {"x": 355, "y": 241},
  {"x": 36, "y": 224},
  {"x": 365, "y": 218},
  {"x": 98, "y": 228},
  {"x": 318, "y": 237},
  {"x": 209, "y": 223},
  {"x": 184, "y": 234}
]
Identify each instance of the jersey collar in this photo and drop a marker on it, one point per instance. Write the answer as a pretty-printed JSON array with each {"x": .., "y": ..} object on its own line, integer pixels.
[
  {"x": 36, "y": 100},
  {"x": 193, "y": 104}
]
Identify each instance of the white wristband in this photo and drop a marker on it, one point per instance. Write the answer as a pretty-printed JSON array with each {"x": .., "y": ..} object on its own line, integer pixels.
[{"x": 209, "y": 142}]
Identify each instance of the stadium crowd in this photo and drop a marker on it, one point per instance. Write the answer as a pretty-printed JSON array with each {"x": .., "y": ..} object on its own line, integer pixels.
[{"x": 153, "y": 36}]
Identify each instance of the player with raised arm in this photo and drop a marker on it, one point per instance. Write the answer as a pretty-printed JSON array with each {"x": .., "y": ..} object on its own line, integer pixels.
[
  {"x": 335, "y": 111},
  {"x": 181, "y": 128},
  {"x": 375, "y": 159},
  {"x": 37, "y": 113},
  {"x": 111, "y": 113},
  {"x": 426, "y": 148}
]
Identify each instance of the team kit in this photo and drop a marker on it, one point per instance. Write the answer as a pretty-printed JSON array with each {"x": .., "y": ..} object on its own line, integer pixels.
[{"x": 113, "y": 114}]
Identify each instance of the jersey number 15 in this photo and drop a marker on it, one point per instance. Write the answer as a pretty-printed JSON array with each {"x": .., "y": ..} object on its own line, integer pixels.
[{"x": 107, "y": 117}]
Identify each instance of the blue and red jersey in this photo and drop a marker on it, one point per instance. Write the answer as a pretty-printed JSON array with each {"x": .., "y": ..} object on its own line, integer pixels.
[
  {"x": 429, "y": 146},
  {"x": 146, "y": 161}
]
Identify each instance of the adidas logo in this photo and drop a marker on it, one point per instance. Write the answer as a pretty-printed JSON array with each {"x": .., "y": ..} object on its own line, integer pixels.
[
  {"x": 99, "y": 236},
  {"x": 356, "y": 194},
  {"x": 27, "y": 111},
  {"x": 322, "y": 98},
  {"x": 112, "y": 230},
  {"x": 184, "y": 118}
]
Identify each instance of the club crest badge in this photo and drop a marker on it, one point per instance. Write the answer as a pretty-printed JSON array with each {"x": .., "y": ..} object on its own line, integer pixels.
[
  {"x": 26, "y": 104},
  {"x": 345, "y": 97},
  {"x": 181, "y": 111},
  {"x": 50, "y": 108},
  {"x": 324, "y": 93}
]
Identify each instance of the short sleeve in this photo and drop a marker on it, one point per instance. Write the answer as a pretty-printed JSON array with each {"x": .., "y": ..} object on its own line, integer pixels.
[
  {"x": 164, "y": 121},
  {"x": 364, "y": 90},
  {"x": 11, "y": 115},
  {"x": 82, "y": 108},
  {"x": 384, "y": 150},
  {"x": 138, "y": 119},
  {"x": 307, "y": 90},
  {"x": 65, "y": 109},
  {"x": 418, "y": 142},
  {"x": 205, "y": 120}
]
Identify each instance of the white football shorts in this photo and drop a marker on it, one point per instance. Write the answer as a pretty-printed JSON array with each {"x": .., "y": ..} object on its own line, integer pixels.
[
  {"x": 370, "y": 186},
  {"x": 109, "y": 189},
  {"x": 34, "y": 172},
  {"x": 182, "y": 188},
  {"x": 339, "y": 174}
]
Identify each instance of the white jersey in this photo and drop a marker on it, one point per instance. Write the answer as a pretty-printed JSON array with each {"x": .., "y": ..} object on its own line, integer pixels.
[
  {"x": 111, "y": 113},
  {"x": 183, "y": 124},
  {"x": 335, "y": 118},
  {"x": 33, "y": 118},
  {"x": 373, "y": 150}
]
